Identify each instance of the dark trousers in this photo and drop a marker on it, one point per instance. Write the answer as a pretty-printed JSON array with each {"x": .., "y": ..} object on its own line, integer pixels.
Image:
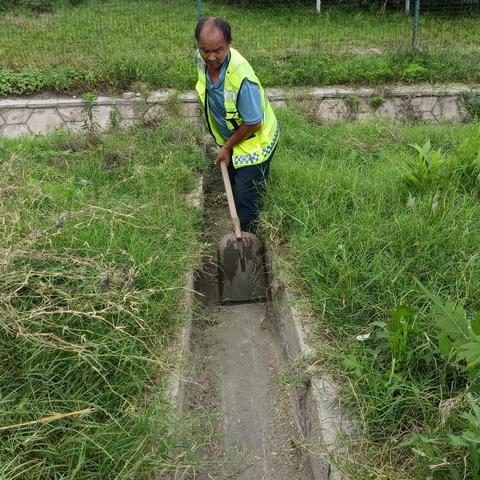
[{"x": 248, "y": 185}]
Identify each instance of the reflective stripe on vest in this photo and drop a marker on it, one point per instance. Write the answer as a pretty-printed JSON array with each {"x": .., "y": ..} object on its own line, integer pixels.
[{"x": 253, "y": 150}]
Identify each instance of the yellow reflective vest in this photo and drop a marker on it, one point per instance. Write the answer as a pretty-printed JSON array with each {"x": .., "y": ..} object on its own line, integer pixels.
[{"x": 258, "y": 147}]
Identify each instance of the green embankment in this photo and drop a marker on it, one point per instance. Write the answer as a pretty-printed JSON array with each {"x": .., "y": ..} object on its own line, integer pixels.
[
  {"x": 105, "y": 45},
  {"x": 96, "y": 238},
  {"x": 384, "y": 240}
]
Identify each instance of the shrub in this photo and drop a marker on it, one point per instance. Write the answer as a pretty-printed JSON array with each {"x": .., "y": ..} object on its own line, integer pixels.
[
  {"x": 37, "y": 6},
  {"x": 376, "y": 102},
  {"x": 472, "y": 104},
  {"x": 414, "y": 72},
  {"x": 467, "y": 160},
  {"x": 25, "y": 82},
  {"x": 7, "y": 79},
  {"x": 424, "y": 170},
  {"x": 432, "y": 170}
]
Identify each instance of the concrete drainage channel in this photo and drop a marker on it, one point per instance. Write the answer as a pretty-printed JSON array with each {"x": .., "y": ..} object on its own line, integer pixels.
[{"x": 239, "y": 368}]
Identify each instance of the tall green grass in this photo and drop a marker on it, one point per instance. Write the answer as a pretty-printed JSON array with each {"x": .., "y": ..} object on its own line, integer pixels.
[
  {"x": 96, "y": 239},
  {"x": 374, "y": 255},
  {"x": 112, "y": 44}
]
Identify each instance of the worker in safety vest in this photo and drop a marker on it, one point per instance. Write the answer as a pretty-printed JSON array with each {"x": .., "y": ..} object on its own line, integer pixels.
[{"x": 238, "y": 114}]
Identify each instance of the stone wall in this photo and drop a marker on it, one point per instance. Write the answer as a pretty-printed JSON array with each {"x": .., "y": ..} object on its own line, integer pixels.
[
  {"x": 37, "y": 115},
  {"x": 404, "y": 103}
]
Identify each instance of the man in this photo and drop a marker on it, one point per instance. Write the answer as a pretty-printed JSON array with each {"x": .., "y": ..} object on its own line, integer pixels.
[{"x": 239, "y": 116}]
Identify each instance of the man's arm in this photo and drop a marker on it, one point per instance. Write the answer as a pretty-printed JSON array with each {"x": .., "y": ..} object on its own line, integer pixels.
[{"x": 245, "y": 131}]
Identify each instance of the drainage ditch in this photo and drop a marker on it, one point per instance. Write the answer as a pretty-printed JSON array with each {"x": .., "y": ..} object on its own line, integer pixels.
[{"x": 239, "y": 377}]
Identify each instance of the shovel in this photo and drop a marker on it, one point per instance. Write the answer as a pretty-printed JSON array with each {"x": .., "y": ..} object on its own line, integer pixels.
[{"x": 240, "y": 258}]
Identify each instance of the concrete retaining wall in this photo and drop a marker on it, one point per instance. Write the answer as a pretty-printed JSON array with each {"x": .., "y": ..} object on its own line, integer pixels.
[
  {"x": 36, "y": 115},
  {"x": 405, "y": 103}
]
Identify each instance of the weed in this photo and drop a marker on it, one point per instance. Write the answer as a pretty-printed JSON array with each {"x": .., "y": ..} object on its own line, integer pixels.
[
  {"x": 353, "y": 102},
  {"x": 424, "y": 170},
  {"x": 414, "y": 73},
  {"x": 172, "y": 105},
  {"x": 401, "y": 330},
  {"x": 430, "y": 169},
  {"x": 470, "y": 439},
  {"x": 465, "y": 442},
  {"x": 376, "y": 102},
  {"x": 357, "y": 247},
  {"x": 114, "y": 116},
  {"x": 95, "y": 249},
  {"x": 298, "y": 375},
  {"x": 327, "y": 49},
  {"x": 37, "y": 6},
  {"x": 467, "y": 160},
  {"x": 88, "y": 105},
  {"x": 472, "y": 104},
  {"x": 458, "y": 336}
]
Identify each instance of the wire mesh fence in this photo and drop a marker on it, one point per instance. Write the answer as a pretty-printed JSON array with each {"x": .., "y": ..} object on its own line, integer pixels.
[
  {"x": 348, "y": 41},
  {"x": 356, "y": 26}
]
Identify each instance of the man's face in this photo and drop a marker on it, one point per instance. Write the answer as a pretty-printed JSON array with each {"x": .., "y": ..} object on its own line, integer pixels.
[{"x": 213, "y": 47}]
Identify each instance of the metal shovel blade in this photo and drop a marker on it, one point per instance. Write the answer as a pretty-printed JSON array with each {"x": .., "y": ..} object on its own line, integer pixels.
[{"x": 234, "y": 283}]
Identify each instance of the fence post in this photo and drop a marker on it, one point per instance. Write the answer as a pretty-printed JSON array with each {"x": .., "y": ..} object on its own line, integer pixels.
[
  {"x": 415, "y": 24},
  {"x": 199, "y": 9},
  {"x": 407, "y": 7},
  {"x": 319, "y": 6}
]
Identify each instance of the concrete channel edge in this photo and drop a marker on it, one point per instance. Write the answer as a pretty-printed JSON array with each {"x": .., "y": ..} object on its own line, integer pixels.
[
  {"x": 316, "y": 402},
  {"x": 180, "y": 348}
]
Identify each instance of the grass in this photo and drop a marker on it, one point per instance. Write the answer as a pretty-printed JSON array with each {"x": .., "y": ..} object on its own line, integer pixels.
[
  {"x": 374, "y": 250},
  {"x": 96, "y": 238},
  {"x": 98, "y": 45}
]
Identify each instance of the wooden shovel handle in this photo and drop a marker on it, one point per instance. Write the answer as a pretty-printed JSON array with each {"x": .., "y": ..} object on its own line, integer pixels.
[{"x": 231, "y": 202}]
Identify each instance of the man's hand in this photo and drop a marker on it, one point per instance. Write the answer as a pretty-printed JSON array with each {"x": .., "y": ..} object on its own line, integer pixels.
[{"x": 224, "y": 155}]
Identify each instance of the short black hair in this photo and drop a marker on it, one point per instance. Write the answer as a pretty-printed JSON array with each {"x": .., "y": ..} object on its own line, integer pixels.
[{"x": 216, "y": 22}]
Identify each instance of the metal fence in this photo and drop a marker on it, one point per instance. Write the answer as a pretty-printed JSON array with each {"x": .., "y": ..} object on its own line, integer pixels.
[
  {"x": 361, "y": 25},
  {"x": 82, "y": 44}
]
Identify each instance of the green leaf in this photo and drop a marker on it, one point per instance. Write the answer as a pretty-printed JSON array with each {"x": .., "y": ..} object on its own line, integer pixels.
[
  {"x": 451, "y": 320},
  {"x": 352, "y": 364},
  {"x": 474, "y": 387},
  {"x": 401, "y": 312},
  {"x": 470, "y": 437},
  {"x": 456, "y": 441},
  {"x": 416, "y": 440},
  {"x": 470, "y": 352},
  {"x": 445, "y": 345},
  {"x": 471, "y": 418},
  {"x": 476, "y": 325},
  {"x": 475, "y": 408}
]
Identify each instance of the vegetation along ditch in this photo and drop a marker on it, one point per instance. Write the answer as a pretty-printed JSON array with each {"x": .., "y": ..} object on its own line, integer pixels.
[
  {"x": 96, "y": 239},
  {"x": 378, "y": 228},
  {"x": 378, "y": 223}
]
